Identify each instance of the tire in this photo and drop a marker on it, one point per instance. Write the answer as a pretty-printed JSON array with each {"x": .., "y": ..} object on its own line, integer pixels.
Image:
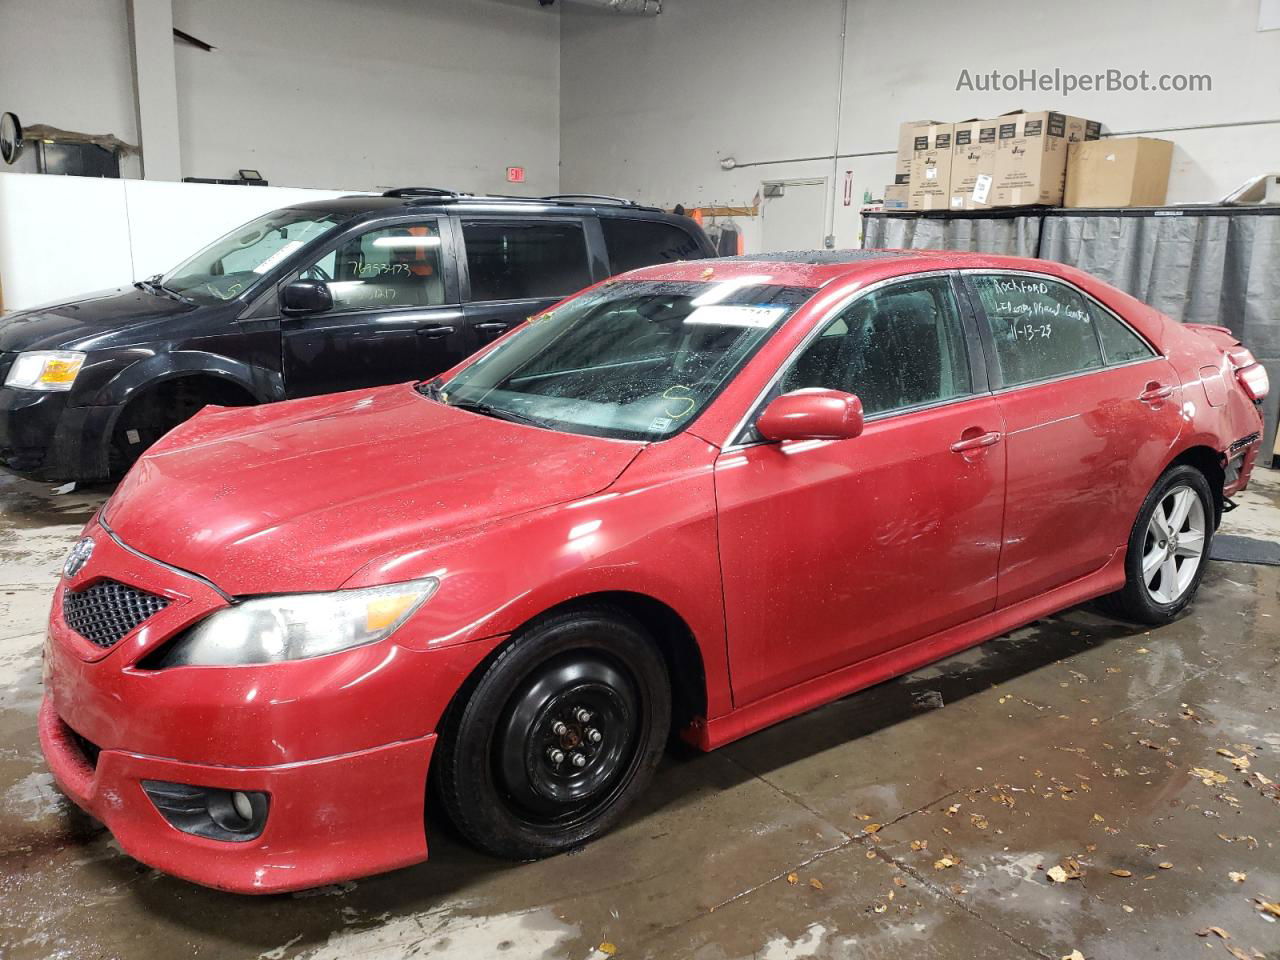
[
  {"x": 1163, "y": 568},
  {"x": 505, "y": 769}
]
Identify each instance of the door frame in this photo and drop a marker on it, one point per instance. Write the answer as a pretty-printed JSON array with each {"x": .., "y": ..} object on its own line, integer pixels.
[{"x": 975, "y": 349}]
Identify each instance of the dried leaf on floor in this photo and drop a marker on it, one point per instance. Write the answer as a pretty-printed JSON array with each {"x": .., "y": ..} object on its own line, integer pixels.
[
  {"x": 1216, "y": 931},
  {"x": 815, "y": 883},
  {"x": 607, "y": 948},
  {"x": 952, "y": 810},
  {"x": 1074, "y": 955},
  {"x": 1120, "y": 872},
  {"x": 979, "y": 821},
  {"x": 919, "y": 845},
  {"x": 1057, "y": 874},
  {"x": 872, "y": 828},
  {"x": 943, "y": 863},
  {"x": 862, "y": 816},
  {"x": 1267, "y": 906},
  {"x": 1237, "y": 877},
  {"x": 899, "y": 882},
  {"x": 792, "y": 879},
  {"x": 1208, "y": 777},
  {"x": 1099, "y": 818},
  {"x": 1166, "y": 865}
]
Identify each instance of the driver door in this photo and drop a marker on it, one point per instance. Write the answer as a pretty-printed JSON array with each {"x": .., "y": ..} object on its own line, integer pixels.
[
  {"x": 396, "y": 313},
  {"x": 833, "y": 552}
]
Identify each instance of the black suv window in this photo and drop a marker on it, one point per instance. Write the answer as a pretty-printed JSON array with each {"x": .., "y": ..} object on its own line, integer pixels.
[
  {"x": 1042, "y": 329},
  {"x": 524, "y": 261},
  {"x": 389, "y": 267},
  {"x": 641, "y": 243},
  {"x": 897, "y": 347}
]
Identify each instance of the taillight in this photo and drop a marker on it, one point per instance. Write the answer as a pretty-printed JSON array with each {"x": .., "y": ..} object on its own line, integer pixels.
[{"x": 1251, "y": 374}]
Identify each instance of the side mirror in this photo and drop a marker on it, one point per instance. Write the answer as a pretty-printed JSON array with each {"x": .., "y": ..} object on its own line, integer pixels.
[
  {"x": 305, "y": 296},
  {"x": 812, "y": 414}
]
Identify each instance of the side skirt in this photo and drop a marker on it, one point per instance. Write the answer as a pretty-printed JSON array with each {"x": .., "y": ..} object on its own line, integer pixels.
[{"x": 893, "y": 663}]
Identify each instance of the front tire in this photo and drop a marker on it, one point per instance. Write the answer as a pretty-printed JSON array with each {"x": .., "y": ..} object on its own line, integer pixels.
[
  {"x": 1168, "y": 548},
  {"x": 558, "y": 736}
]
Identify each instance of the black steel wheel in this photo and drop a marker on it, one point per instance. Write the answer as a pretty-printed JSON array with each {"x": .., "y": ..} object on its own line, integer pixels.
[{"x": 560, "y": 733}]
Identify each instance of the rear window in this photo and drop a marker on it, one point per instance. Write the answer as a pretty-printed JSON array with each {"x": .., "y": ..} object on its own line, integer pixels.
[
  {"x": 642, "y": 243},
  {"x": 525, "y": 260}
]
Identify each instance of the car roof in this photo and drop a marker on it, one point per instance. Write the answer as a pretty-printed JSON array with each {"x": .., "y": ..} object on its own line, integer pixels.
[
  {"x": 816, "y": 268},
  {"x": 411, "y": 199}
]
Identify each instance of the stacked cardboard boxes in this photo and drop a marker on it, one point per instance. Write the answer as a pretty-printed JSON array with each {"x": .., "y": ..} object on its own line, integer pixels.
[{"x": 1019, "y": 159}]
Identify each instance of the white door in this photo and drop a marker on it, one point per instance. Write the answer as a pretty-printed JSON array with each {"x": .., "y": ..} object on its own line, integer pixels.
[{"x": 792, "y": 214}]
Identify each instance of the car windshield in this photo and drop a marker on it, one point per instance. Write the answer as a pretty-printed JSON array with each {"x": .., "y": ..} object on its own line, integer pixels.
[
  {"x": 230, "y": 266},
  {"x": 634, "y": 361}
]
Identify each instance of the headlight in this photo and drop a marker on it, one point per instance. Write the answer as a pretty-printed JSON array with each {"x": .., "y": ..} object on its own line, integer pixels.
[
  {"x": 297, "y": 626},
  {"x": 45, "y": 370}
]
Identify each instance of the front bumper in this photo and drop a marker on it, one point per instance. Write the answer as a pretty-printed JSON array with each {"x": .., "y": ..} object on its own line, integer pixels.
[
  {"x": 43, "y": 437},
  {"x": 341, "y": 744},
  {"x": 330, "y": 819}
]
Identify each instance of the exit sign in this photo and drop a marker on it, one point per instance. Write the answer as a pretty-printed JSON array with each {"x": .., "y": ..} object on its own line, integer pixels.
[{"x": 515, "y": 174}]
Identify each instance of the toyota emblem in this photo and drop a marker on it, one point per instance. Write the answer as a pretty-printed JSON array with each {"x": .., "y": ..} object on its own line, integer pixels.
[{"x": 78, "y": 557}]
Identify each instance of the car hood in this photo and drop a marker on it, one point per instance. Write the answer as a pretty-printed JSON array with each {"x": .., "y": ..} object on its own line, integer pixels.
[
  {"x": 300, "y": 495},
  {"x": 77, "y": 324}
]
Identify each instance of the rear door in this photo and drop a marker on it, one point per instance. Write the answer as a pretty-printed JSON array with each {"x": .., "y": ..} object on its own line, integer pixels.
[
  {"x": 1091, "y": 413},
  {"x": 513, "y": 267},
  {"x": 396, "y": 313}
]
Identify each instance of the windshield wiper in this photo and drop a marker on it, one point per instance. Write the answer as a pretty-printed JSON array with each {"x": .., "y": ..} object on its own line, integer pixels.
[
  {"x": 498, "y": 413},
  {"x": 153, "y": 286}
]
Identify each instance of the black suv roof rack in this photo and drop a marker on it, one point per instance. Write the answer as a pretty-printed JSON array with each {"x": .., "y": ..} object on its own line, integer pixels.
[
  {"x": 421, "y": 192},
  {"x": 428, "y": 194},
  {"x": 594, "y": 197}
]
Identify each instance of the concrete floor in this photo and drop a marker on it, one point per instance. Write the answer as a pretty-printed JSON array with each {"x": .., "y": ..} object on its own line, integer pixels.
[{"x": 918, "y": 819}]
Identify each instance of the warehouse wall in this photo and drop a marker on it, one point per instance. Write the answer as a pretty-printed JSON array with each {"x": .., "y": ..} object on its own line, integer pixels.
[
  {"x": 638, "y": 117},
  {"x": 313, "y": 93},
  {"x": 66, "y": 63}
]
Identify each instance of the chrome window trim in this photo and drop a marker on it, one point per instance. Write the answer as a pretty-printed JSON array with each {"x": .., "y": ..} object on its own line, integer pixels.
[{"x": 730, "y": 445}]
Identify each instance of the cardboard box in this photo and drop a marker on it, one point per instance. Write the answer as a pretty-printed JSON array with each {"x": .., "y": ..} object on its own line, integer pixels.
[
  {"x": 906, "y": 149},
  {"x": 896, "y": 196},
  {"x": 1122, "y": 172},
  {"x": 1031, "y": 157},
  {"x": 930, "y": 180},
  {"x": 973, "y": 163}
]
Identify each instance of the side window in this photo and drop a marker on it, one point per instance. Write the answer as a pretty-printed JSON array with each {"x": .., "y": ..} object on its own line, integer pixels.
[
  {"x": 524, "y": 261},
  {"x": 1119, "y": 343},
  {"x": 642, "y": 243},
  {"x": 1042, "y": 329},
  {"x": 392, "y": 267},
  {"x": 900, "y": 346}
]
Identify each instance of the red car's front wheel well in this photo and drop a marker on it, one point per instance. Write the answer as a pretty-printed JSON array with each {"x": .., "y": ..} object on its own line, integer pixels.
[{"x": 680, "y": 651}]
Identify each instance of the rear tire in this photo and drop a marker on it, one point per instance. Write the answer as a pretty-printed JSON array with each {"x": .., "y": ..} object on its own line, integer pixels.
[
  {"x": 558, "y": 736},
  {"x": 1168, "y": 548}
]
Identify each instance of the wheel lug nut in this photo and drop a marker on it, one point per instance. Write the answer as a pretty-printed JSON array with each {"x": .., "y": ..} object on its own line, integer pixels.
[
  {"x": 559, "y": 729},
  {"x": 579, "y": 760},
  {"x": 556, "y": 756},
  {"x": 595, "y": 736},
  {"x": 582, "y": 716}
]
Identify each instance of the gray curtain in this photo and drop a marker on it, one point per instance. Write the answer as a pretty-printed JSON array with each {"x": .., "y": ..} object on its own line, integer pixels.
[{"x": 1212, "y": 265}]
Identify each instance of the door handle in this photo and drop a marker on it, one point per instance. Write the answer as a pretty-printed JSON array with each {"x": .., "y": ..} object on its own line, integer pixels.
[
  {"x": 1155, "y": 392},
  {"x": 977, "y": 443},
  {"x": 435, "y": 332},
  {"x": 492, "y": 326}
]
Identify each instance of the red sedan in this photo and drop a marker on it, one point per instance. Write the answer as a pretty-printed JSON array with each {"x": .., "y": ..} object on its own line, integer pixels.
[{"x": 701, "y": 496}]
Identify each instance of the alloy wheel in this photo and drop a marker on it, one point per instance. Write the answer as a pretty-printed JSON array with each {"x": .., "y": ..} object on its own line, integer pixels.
[{"x": 1174, "y": 545}]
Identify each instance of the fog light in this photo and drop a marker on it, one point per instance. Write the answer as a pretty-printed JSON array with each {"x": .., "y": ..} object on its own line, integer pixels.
[
  {"x": 234, "y": 815},
  {"x": 240, "y": 801}
]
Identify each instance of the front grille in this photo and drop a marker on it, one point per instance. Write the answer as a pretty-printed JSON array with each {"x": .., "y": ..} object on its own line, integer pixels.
[{"x": 108, "y": 610}]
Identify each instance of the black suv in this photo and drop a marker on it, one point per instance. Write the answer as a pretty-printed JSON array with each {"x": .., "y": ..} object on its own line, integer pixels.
[{"x": 323, "y": 296}]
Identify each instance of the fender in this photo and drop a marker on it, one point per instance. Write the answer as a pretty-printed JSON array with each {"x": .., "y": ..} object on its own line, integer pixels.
[
  {"x": 263, "y": 384},
  {"x": 602, "y": 543}
]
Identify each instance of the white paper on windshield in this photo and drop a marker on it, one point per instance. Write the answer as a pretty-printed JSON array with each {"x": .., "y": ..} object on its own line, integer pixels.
[
  {"x": 759, "y": 318},
  {"x": 276, "y": 257}
]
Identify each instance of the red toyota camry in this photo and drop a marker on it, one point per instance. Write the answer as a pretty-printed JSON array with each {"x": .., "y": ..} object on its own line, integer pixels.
[{"x": 701, "y": 496}]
